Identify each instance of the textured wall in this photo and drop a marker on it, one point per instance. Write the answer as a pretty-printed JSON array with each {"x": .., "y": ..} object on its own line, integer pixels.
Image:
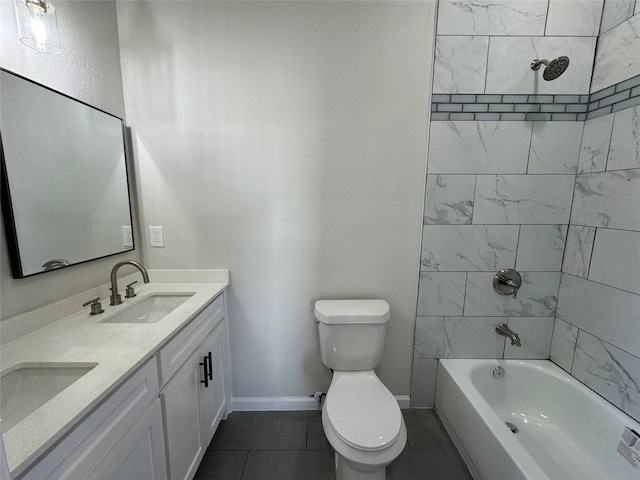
[
  {"x": 88, "y": 69},
  {"x": 286, "y": 142}
]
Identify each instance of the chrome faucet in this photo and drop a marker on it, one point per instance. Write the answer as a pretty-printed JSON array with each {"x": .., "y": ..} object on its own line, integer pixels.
[
  {"x": 116, "y": 298},
  {"x": 505, "y": 331}
]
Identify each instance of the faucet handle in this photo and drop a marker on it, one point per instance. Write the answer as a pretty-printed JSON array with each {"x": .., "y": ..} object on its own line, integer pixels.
[
  {"x": 96, "y": 306},
  {"x": 130, "y": 292},
  {"x": 507, "y": 282},
  {"x": 511, "y": 283}
]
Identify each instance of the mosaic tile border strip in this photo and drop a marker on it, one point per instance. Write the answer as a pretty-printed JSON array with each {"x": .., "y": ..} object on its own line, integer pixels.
[
  {"x": 617, "y": 97},
  {"x": 566, "y": 108},
  {"x": 509, "y": 107}
]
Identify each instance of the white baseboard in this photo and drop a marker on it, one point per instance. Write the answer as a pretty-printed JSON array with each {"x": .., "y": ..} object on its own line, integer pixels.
[
  {"x": 258, "y": 404},
  {"x": 404, "y": 401}
]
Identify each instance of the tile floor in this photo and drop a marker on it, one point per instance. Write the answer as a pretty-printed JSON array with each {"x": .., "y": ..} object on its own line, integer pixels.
[{"x": 292, "y": 446}]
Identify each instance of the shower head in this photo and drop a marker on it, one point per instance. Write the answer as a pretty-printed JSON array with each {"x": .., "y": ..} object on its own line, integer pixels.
[{"x": 553, "y": 69}]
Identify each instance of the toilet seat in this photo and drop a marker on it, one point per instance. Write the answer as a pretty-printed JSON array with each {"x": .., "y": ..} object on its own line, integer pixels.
[{"x": 362, "y": 411}]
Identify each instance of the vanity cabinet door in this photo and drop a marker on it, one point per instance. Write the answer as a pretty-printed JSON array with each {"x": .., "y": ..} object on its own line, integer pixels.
[
  {"x": 196, "y": 397},
  {"x": 214, "y": 395},
  {"x": 189, "y": 339},
  {"x": 181, "y": 412},
  {"x": 139, "y": 454}
]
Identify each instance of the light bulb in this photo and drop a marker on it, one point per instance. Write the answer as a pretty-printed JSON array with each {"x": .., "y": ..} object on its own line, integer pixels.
[
  {"x": 40, "y": 34},
  {"x": 37, "y": 6}
]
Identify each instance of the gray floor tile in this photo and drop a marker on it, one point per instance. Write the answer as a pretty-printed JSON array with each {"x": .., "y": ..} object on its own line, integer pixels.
[
  {"x": 292, "y": 446},
  {"x": 316, "y": 439},
  {"x": 219, "y": 465},
  {"x": 261, "y": 431},
  {"x": 403, "y": 468},
  {"x": 440, "y": 463},
  {"x": 294, "y": 465},
  {"x": 428, "y": 464},
  {"x": 424, "y": 429}
]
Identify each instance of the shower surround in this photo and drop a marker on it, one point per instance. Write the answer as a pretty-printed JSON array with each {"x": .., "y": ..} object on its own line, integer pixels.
[{"x": 506, "y": 151}]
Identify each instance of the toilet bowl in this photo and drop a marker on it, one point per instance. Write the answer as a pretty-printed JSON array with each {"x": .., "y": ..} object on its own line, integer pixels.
[
  {"x": 364, "y": 425},
  {"x": 360, "y": 416}
]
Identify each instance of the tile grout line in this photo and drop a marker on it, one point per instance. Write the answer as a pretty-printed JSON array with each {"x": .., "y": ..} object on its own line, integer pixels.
[
  {"x": 610, "y": 136},
  {"x": 244, "y": 464},
  {"x": 306, "y": 431},
  {"x": 593, "y": 247}
]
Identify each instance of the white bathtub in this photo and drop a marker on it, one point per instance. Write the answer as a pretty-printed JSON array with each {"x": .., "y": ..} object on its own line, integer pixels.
[{"x": 565, "y": 430}]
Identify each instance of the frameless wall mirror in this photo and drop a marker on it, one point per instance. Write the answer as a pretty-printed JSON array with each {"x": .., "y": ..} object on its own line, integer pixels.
[{"x": 65, "y": 196}]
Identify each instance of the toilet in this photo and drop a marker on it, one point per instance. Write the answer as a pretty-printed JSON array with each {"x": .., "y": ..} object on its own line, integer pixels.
[{"x": 360, "y": 417}]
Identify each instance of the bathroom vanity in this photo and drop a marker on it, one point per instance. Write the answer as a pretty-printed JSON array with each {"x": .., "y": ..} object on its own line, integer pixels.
[{"x": 123, "y": 394}]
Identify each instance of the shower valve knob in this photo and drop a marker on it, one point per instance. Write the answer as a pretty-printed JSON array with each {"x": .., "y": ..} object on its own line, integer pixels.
[{"x": 507, "y": 282}]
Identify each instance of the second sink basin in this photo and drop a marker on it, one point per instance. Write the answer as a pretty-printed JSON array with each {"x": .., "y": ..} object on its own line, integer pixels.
[
  {"x": 152, "y": 309},
  {"x": 29, "y": 386}
]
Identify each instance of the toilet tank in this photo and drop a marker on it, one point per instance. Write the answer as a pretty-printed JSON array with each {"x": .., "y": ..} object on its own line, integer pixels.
[{"x": 352, "y": 333}]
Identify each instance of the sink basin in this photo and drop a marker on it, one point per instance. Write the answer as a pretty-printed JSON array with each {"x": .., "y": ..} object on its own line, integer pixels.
[
  {"x": 150, "y": 310},
  {"x": 29, "y": 386}
]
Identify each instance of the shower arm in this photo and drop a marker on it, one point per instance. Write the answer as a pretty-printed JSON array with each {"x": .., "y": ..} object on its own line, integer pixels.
[{"x": 535, "y": 64}]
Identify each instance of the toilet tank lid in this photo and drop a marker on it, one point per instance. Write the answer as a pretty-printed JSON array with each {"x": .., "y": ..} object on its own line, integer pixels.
[{"x": 336, "y": 312}]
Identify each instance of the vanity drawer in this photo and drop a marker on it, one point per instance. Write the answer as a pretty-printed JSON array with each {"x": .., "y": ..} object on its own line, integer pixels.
[
  {"x": 85, "y": 446},
  {"x": 173, "y": 355}
]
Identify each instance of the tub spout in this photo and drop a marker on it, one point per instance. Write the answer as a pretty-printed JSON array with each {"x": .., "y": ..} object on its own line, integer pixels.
[{"x": 505, "y": 331}]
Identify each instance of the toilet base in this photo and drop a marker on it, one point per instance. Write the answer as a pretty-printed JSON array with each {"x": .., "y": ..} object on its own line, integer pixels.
[{"x": 346, "y": 471}]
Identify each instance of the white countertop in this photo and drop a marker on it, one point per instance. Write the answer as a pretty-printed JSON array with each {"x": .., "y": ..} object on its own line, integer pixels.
[{"x": 118, "y": 349}]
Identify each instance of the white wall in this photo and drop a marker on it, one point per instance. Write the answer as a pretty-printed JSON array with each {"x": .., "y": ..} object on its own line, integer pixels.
[
  {"x": 285, "y": 141},
  {"x": 88, "y": 69}
]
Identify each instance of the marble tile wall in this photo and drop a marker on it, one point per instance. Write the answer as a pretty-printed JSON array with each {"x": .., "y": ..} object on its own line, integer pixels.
[
  {"x": 486, "y": 46},
  {"x": 501, "y": 193},
  {"x": 498, "y": 195},
  {"x": 616, "y": 12},
  {"x": 483, "y": 46},
  {"x": 483, "y": 51},
  {"x": 597, "y": 330},
  {"x": 618, "y": 54}
]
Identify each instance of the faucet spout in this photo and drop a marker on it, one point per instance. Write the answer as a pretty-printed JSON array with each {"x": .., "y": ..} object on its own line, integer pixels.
[
  {"x": 116, "y": 298},
  {"x": 505, "y": 331}
]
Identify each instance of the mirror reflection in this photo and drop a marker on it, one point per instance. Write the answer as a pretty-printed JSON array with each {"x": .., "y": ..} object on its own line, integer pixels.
[{"x": 65, "y": 197}]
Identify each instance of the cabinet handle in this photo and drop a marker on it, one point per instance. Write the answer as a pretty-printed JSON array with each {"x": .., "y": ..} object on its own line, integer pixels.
[
  {"x": 205, "y": 364},
  {"x": 210, "y": 366}
]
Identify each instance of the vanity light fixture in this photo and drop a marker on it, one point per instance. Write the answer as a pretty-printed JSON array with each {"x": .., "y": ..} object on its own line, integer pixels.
[{"x": 37, "y": 25}]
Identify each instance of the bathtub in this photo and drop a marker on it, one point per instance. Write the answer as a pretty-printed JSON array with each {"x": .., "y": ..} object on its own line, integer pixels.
[{"x": 564, "y": 430}]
